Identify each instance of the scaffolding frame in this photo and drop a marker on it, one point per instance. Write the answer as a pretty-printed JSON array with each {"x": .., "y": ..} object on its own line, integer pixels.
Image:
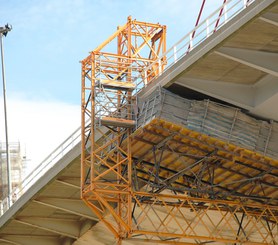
[
  {"x": 17, "y": 167},
  {"x": 109, "y": 82},
  {"x": 128, "y": 191}
]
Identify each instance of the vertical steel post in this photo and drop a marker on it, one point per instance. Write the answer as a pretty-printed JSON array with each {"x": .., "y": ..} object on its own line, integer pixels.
[{"x": 6, "y": 124}]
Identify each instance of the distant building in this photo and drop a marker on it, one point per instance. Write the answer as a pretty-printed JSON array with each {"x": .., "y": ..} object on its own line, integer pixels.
[{"x": 17, "y": 167}]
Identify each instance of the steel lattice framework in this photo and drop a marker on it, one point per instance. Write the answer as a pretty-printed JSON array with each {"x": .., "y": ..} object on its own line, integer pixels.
[
  {"x": 108, "y": 82},
  {"x": 160, "y": 183}
]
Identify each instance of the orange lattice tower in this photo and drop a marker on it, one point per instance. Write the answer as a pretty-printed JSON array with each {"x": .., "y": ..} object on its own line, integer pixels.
[
  {"x": 109, "y": 81},
  {"x": 153, "y": 180}
]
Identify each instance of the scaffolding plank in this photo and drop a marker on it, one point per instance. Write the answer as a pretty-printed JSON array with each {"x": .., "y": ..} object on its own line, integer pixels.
[
  {"x": 116, "y": 84},
  {"x": 117, "y": 122}
]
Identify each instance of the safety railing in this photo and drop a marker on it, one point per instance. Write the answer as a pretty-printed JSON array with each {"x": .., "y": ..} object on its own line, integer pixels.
[
  {"x": 192, "y": 39},
  {"x": 41, "y": 169},
  {"x": 196, "y": 36}
]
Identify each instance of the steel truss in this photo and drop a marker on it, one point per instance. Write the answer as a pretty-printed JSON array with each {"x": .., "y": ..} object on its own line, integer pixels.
[{"x": 128, "y": 181}]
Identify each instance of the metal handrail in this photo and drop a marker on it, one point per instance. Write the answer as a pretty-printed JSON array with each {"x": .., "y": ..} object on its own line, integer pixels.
[
  {"x": 197, "y": 35},
  {"x": 204, "y": 30},
  {"x": 41, "y": 169}
]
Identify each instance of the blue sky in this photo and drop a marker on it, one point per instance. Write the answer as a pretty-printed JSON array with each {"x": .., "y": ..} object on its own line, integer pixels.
[
  {"x": 43, "y": 51},
  {"x": 50, "y": 37}
]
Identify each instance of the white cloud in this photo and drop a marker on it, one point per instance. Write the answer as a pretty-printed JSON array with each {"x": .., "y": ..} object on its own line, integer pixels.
[
  {"x": 40, "y": 126},
  {"x": 55, "y": 34}
]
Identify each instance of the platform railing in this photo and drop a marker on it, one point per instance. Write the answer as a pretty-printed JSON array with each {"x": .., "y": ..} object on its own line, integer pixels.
[
  {"x": 196, "y": 36},
  {"x": 192, "y": 39}
]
